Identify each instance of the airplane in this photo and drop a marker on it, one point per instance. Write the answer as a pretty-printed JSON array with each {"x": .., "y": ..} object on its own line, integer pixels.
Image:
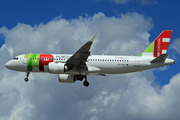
[{"x": 71, "y": 68}]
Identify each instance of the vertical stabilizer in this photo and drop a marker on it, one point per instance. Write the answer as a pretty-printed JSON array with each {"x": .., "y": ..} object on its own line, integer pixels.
[{"x": 159, "y": 46}]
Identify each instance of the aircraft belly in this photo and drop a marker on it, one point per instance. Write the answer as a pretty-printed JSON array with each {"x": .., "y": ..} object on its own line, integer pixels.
[
  {"x": 126, "y": 68},
  {"x": 119, "y": 70},
  {"x": 35, "y": 69},
  {"x": 113, "y": 68},
  {"x": 45, "y": 68}
]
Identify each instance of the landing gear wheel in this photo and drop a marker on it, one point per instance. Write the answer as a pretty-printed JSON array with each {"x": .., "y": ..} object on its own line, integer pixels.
[
  {"x": 86, "y": 83},
  {"x": 26, "y": 79},
  {"x": 80, "y": 77}
]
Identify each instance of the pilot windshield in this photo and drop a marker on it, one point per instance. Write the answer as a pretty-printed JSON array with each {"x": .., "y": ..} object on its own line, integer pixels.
[{"x": 16, "y": 58}]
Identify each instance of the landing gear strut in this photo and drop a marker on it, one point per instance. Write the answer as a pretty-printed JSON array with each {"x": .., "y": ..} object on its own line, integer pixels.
[
  {"x": 80, "y": 77},
  {"x": 85, "y": 83},
  {"x": 27, "y": 75}
]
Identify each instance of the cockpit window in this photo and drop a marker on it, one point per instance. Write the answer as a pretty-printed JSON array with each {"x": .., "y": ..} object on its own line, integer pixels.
[{"x": 16, "y": 58}]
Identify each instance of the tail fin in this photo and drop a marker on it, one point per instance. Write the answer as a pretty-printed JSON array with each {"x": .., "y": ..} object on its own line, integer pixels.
[{"x": 159, "y": 46}]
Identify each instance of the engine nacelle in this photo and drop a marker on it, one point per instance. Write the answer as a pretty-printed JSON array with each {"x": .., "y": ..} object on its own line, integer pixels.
[
  {"x": 57, "y": 68},
  {"x": 65, "y": 78}
]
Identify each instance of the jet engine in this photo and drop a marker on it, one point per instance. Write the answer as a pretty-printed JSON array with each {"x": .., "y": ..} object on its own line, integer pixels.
[
  {"x": 65, "y": 78},
  {"x": 57, "y": 68}
]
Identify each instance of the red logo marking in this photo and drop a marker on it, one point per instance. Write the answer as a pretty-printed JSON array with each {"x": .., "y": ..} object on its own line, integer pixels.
[
  {"x": 45, "y": 59},
  {"x": 159, "y": 45}
]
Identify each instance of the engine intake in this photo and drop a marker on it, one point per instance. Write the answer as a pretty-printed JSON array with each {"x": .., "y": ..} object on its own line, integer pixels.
[{"x": 57, "y": 68}]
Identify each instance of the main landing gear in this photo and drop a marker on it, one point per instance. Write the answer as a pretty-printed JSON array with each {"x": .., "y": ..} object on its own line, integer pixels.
[
  {"x": 86, "y": 83},
  {"x": 27, "y": 75},
  {"x": 81, "y": 77}
]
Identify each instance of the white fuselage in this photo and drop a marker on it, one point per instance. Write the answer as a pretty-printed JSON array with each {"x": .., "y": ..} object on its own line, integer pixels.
[{"x": 96, "y": 64}]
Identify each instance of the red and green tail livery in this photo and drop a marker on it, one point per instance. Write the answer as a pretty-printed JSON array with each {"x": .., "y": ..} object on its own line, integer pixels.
[{"x": 160, "y": 45}]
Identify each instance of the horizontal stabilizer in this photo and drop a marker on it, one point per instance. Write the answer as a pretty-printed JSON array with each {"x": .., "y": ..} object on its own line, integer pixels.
[{"x": 161, "y": 58}]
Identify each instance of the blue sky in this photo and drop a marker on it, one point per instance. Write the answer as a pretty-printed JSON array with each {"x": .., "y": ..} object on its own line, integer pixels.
[{"x": 23, "y": 23}]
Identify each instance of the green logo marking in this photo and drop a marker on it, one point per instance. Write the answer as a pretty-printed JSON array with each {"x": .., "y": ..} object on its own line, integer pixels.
[{"x": 32, "y": 61}]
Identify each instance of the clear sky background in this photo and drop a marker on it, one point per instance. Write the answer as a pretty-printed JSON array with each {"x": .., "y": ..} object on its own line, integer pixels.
[{"x": 126, "y": 27}]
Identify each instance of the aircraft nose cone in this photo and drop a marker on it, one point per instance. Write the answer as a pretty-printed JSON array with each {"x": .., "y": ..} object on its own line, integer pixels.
[
  {"x": 8, "y": 65},
  {"x": 11, "y": 65}
]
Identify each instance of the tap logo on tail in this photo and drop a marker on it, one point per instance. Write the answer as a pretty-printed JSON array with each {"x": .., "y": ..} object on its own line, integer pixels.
[{"x": 160, "y": 45}]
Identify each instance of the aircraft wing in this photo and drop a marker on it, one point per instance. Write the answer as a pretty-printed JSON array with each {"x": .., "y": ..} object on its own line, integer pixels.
[{"x": 78, "y": 60}]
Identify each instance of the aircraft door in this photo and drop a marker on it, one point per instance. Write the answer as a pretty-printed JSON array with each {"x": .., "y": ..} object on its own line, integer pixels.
[
  {"x": 25, "y": 61},
  {"x": 136, "y": 63}
]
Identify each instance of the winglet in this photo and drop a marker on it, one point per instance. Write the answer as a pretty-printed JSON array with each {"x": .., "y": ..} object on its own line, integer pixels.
[
  {"x": 93, "y": 37},
  {"x": 160, "y": 58}
]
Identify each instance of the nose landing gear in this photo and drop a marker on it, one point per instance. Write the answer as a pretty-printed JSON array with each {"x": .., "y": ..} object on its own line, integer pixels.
[{"x": 27, "y": 75}]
